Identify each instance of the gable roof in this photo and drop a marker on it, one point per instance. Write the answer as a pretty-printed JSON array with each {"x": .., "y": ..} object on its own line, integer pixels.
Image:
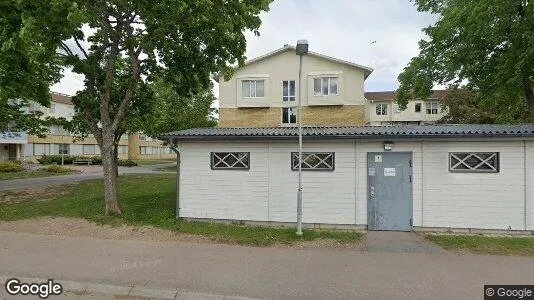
[
  {"x": 366, "y": 70},
  {"x": 356, "y": 132},
  {"x": 392, "y": 95}
]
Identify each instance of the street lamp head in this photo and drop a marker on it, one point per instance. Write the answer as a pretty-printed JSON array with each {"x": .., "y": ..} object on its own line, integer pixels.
[{"x": 302, "y": 47}]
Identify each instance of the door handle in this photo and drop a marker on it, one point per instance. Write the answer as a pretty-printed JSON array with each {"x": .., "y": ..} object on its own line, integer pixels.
[{"x": 372, "y": 191}]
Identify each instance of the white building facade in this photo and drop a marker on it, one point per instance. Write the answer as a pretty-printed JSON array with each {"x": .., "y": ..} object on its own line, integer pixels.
[{"x": 477, "y": 177}]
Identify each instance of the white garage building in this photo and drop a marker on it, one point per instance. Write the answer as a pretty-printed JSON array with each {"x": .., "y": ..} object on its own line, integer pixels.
[{"x": 413, "y": 177}]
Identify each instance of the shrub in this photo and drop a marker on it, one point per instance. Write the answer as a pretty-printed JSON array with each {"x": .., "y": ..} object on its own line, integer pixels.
[
  {"x": 67, "y": 159},
  {"x": 55, "y": 159},
  {"x": 97, "y": 160},
  {"x": 126, "y": 163},
  {"x": 57, "y": 169},
  {"x": 11, "y": 166}
]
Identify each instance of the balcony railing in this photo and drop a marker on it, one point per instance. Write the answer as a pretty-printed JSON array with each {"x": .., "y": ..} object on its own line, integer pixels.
[{"x": 12, "y": 137}]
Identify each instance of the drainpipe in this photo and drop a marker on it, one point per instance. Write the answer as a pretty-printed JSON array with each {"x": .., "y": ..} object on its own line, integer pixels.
[{"x": 174, "y": 148}]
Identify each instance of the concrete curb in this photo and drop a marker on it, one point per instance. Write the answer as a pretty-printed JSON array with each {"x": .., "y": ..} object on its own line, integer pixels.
[{"x": 126, "y": 290}]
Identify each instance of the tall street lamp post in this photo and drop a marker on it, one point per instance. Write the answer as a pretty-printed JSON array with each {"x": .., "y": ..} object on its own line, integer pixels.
[{"x": 302, "y": 49}]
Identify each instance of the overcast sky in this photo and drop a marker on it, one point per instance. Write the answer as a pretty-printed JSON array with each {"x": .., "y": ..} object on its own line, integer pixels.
[{"x": 343, "y": 29}]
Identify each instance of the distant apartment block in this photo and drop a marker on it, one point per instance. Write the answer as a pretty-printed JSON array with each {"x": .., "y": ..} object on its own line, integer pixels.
[
  {"x": 263, "y": 93},
  {"x": 21, "y": 146},
  {"x": 381, "y": 109}
]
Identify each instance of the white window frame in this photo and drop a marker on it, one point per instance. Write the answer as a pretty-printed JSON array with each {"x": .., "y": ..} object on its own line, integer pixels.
[
  {"x": 382, "y": 108},
  {"x": 253, "y": 91},
  {"x": 289, "y": 97},
  {"x": 322, "y": 81},
  {"x": 321, "y": 163},
  {"x": 288, "y": 110},
  {"x": 218, "y": 161},
  {"x": 432, "y": 108},
  {"x": 66, "y": 149},
  {"x": 457, "y": 164},
  {"x": 122, "y": 149},
  {"x": 88, "y": 145},
  {"x": 46, "y": 149}
]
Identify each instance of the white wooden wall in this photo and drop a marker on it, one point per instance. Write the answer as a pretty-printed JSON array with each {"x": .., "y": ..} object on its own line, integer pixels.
[
  {"x": 267, "y": 192},
  {"x": 529, "y": 150}
]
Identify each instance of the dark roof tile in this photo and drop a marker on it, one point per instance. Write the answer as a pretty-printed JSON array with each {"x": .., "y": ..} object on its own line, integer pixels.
[{"x": 357, "y": 132}]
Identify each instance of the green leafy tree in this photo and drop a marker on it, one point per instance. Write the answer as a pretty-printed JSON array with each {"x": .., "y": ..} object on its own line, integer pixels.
[
  {"x": 183, "y": 42},
  {"x": 468, "y": 107},
  {"x": 170, "y": 111},
  {"x": 486, "y": 46}
]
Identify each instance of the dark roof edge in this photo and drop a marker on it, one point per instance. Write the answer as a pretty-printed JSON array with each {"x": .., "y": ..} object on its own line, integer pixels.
[{"x": 343, "y": 137}]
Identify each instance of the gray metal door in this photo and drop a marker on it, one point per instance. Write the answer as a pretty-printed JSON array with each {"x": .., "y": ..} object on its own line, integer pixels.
[{"x": 390, "y": 196}]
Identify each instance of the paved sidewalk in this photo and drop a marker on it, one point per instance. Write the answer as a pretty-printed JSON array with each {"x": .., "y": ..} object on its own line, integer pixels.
[
  {"x": 64, "y": 179},
  {"x": 92, "y": 290},
  {"x": 401, "y": 242},
  {"x": 265, "y": 273}
]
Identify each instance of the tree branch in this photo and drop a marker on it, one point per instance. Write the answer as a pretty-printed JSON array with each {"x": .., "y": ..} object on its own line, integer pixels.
[
  {"x": 66, "y": 49},
  {"x": 81, "y": 48},
  {"x": 97, "y": 132},
  {"x": 129, "y": 92}
]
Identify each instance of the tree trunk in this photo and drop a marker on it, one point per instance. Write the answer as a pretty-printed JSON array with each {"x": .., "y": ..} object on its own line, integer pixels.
[
  {"x": 113, "y": 206},
  {"x": 116, "y": 158}
]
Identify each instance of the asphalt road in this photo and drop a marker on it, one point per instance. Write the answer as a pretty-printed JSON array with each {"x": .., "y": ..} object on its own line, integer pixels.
[{"x": 272, "y": 273}]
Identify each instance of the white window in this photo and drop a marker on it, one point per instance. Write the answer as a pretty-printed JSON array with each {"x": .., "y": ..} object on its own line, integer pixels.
[
  {"x": 40, "y": 149},
  {"x": 474, "y": 162},
  {"x": 432, "y": 108},
  {"x": 289, "y": 115},
  {"x": 382, "y": 109},
  {"x": 122, "y": 149},
  {"x": 324, "y": 86},
  {"x": 230, "y": 160},
  {"x": 88, "y": 149},
  {"x": 63, "y": 148},
  {"x": 323, "y": 161},
  {"x": 253, "y": 88},
  {"x": 52, "y": 108},
  {"x": 148, "y": 150},
  {"x": 288, "y": 90}
]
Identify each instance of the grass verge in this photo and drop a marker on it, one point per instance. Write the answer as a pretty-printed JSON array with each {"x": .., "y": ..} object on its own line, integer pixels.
[
  {"x": 147, "y": 162},
  {"x": 149, "y": 200},
  {"x": 498, "y": 245},
  {"x": 166, "y": 169},
  {"x": 29, "y": 174}
]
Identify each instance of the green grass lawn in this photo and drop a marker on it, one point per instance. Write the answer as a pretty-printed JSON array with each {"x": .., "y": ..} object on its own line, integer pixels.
[
  {"x": 485, "y": 244},
  {"x": 28, "y": 174},
  {"x": 166, "y": 169},
  {"x": 146, "y": 162},
  {"x": 148, "y": 200}
]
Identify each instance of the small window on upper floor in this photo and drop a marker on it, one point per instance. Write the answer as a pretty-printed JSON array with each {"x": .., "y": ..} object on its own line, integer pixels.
[
  {"x": 52, "y": 108},
  {"x": 253, "y": 88},
  {"x": 288, "y": 93},
  {"x": 381, "y": 109},
  {"x": 417, "y": 107},
  {"x": 289, "y": 115},
  {"x": 432, "y": 108},
  {"x": 324, "y": 86}
]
